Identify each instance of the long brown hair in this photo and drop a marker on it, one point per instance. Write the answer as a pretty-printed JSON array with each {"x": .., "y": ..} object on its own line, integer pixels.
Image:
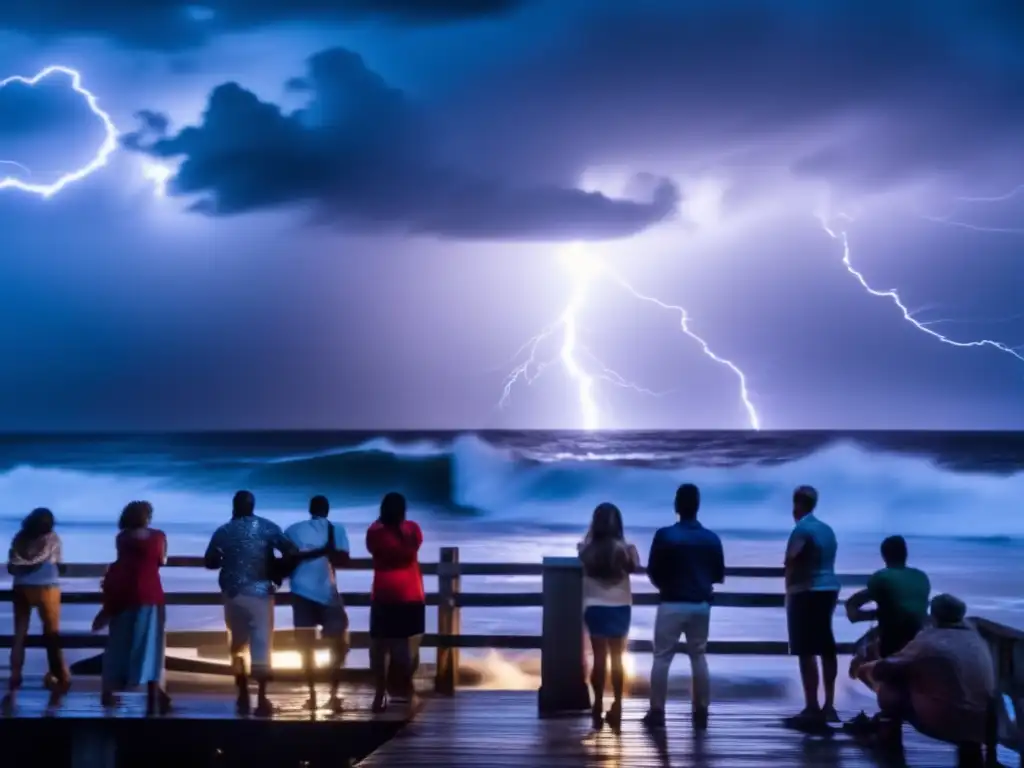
[{"x": 604, "y": 555}]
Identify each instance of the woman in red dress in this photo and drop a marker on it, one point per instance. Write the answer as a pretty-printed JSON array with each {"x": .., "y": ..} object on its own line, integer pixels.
[
  {"x": 133, "y": 606},
  {"x": 397, "y": 600}
]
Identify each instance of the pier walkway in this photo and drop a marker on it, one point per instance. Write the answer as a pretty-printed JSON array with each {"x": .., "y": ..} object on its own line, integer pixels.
[{"x": 500, "y": 728}]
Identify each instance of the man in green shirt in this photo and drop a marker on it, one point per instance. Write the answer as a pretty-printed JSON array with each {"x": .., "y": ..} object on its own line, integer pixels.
[{"x": 900, "y": 594}]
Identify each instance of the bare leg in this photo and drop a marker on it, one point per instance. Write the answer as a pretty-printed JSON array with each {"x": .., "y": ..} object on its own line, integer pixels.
[
  {"x": 309, "y": 667},
  {"x": 829, "y": 672},
  {"x": 379, "y": 666},
  {"x": 616, "y": 651},
  {"x": 338, "y": 656},
  {"x": 598, "y": 671},
  {"x": 157, "y": 700},
  {"x": 809, "y": 678}
]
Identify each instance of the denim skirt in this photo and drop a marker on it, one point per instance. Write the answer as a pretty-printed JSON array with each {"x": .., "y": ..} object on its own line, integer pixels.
[{"x": 608, "y": 621}]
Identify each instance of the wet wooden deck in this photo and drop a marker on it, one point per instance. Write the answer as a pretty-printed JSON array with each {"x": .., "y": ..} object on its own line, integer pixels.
[
  {"x": 490, "y": 728},
  {"x": 203, "y": 730}
]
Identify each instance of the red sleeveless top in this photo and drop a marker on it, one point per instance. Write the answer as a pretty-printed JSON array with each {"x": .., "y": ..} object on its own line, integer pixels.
[
  {"x": 396, "y": 570},
  {"x": 133, "y": 580}
]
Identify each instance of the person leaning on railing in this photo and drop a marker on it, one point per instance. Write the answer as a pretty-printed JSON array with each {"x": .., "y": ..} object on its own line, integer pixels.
[
  {"x": 134, "y": 610},
  {"x": 36, "y": 563},
  {"x": 397, "y": 599}
]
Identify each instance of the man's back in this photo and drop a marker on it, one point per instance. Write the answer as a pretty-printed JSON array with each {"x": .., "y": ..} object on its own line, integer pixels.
[
  {"x": 686, "y": 560},
  {"x": 245, "y": 545},
  {"x": 952, "y": 680},
  {"x": 901, "y": 595},
  {"x": 815, "y": 567},
  {"x": 315, "y": 579}
]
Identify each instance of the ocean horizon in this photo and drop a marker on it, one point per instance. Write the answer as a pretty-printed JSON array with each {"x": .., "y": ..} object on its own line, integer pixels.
[{"x": 517, "y": 496}]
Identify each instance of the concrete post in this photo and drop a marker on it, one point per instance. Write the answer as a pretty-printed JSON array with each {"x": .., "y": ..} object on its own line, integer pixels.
[{"x": 563, "y": 686}]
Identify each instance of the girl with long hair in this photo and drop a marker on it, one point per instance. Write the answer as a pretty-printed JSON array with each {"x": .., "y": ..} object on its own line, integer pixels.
[
  {"x": 608, "y": 560},
  {"x": 36, "y": 563}
]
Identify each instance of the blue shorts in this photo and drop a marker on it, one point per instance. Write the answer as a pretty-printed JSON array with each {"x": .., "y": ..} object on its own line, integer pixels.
[{"x": 608, "y": 621}]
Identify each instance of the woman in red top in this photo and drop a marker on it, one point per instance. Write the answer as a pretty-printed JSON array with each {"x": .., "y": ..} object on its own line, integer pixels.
[
  {"x": 397, "y": 600},
  {"x": 133, "y": 605}
]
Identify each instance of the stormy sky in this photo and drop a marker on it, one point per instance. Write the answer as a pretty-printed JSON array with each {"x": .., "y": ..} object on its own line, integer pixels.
[{"x": 353, "y": 214}]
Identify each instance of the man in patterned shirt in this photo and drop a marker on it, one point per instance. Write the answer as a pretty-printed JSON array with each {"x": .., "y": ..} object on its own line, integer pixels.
[{"x": 242, "y": 549}]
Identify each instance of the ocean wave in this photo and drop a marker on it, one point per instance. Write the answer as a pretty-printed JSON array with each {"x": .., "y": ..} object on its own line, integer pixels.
[{"x": 862, "y": 490}]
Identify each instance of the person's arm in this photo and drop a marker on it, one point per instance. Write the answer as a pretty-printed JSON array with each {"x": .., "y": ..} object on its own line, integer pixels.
[
  {"x": 339, "y": 556},
  {"x": 214, "y": 554},
  {"x": 287, "y": 547},
  {"x": 633, "y": 557},
  {"x": 58, "y": 558},
  {"x": 656, "y": 562},
  {"x": 794, "y": 549},
  {"x": 898, "y": 665},
  {"x": 718, "y": 575},
  {"x": 855, "y": 606},
  {"x": 163, "y": 549}
]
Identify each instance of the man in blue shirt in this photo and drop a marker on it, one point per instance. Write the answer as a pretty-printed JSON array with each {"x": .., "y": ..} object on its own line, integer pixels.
[
  {"x": 686, "y": 560},
  {"x": 812, "y": 591},
  {"x": 242, "y": 549},
  {"x": 316, "y": 601}
]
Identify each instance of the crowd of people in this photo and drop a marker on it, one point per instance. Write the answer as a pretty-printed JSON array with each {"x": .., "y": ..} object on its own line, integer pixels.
[
  {"x": 926, "y": 663},
  {"x": 924, "y": 660},
  {"x": 254, "y": 557}
]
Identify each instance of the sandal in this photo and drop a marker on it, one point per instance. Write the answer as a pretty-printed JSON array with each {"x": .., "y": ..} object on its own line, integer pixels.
[{"x": 380, "y": 703}]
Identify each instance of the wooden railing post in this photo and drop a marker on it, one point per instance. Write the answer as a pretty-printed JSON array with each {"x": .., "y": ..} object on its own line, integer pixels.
[
  {"x": 563, "y": 675},
  {"x": 449, "y": 621}
]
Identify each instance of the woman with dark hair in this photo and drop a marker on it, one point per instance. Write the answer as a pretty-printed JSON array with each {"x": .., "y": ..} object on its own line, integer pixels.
[
  {"x": 133, "y": 606},
  {"x": 608, "y": 560},
  {"x": 397, "y": 600},
  {"x": 36, "y": 563}
]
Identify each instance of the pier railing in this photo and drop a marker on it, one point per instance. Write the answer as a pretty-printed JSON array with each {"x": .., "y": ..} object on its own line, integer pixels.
[{"x": 563, "y": 663}]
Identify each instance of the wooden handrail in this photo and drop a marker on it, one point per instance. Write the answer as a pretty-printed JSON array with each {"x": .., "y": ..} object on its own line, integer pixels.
[{"x": 96, "y": 570}]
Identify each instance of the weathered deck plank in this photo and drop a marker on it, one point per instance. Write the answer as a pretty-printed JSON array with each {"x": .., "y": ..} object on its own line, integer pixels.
[
  {"x": 490, "y": 728},
  {"x": 202, "y": 731}
]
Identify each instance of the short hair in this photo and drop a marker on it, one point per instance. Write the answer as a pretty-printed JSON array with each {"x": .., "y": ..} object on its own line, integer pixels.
[
  {"x": 687, "y": 500},
  {"x": 894, "y": 550},
  {"x": 319, "y": 506},
  {"x": 243, "y": 503},
  {"x": 806, "y": 496},
  {"x": 135, "y": 515},
  {"x": 947, "y": 610},
  {"x": 393, "y": 508}
]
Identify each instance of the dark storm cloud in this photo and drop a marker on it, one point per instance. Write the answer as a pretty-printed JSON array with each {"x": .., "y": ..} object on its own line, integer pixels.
[
  {"x": 866, "y": 92},
  {"x": 366, "y": 157},
  {"x": 178, "y": 24}
]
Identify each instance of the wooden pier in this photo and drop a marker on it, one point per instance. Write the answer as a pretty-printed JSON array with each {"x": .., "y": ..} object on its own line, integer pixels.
[
  {"x": 490, "y": 728},
  {"x": 472, "y": 727}
]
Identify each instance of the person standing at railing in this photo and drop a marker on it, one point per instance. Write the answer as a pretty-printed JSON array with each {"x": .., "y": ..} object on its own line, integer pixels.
[
  {"x": 685, "y": 563},
  {"x": 134, "y": 610},
  {"x": 608, "y": 560},
  {"x": 397, "y": 599},
  {"x": 812, "y": 592},
  {"x": 316, "y": 601},
  {"x": 243, "y": 550},
  {"x": 36, "y": 563}
]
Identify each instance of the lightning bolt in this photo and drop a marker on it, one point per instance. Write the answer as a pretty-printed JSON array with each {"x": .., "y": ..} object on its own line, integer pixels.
[
  {"x": 952, "y": 222},
  {"x": 106, "y": 149},
  {"x": 841, "y": 236},
  {"x": 583, "y": 271}
]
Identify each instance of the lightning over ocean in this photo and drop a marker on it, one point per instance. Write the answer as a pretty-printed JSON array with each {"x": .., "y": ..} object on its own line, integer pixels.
[{"x": 99, "y": 158}]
